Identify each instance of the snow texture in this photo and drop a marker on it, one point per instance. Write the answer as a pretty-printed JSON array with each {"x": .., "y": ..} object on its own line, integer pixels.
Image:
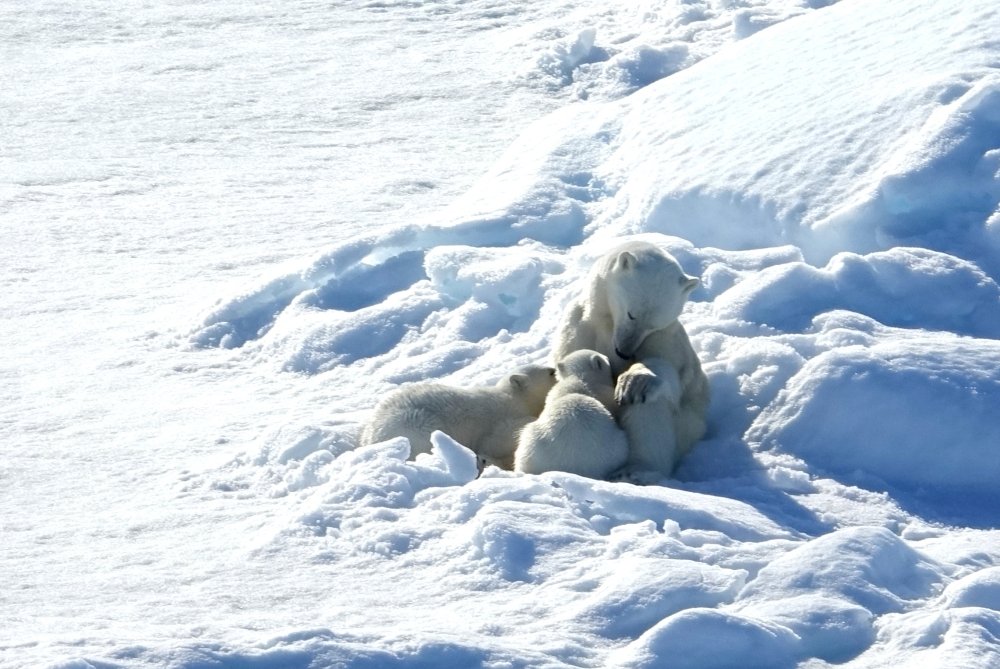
[{"x": 231, "y": 229}]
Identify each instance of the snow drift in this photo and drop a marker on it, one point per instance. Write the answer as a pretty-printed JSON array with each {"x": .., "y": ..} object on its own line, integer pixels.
[
  {"x": 835, "y": 181},
  {"x": 827, "y": 162},
  {"x": 839, "y": 198}
]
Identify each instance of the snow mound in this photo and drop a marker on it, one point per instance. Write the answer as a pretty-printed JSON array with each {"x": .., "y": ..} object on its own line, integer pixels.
[
  {"x": 917, "y": 413},
  {"x": 818, "y": 600},
  {"x": 379, "y": 477},
  {"x": 598, "y": 54},
  {"x": 691, "y": 639},
  {"x": 644, "y": 591},
  {"x": 486, "y": 293},
  {"x": 979, "y": 589},
  {"x": 829, "y": 628},
  {"x": 865, "y": 566},
  {"x": 841, "y": 208},
  {"x": 876, "y": 161},
  {"x": 904, "y": 287}
]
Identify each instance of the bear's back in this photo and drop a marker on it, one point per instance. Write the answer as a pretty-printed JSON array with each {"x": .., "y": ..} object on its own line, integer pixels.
[
  {"x": 465, "y": 414},
  {"x": 575, "y": 433}
]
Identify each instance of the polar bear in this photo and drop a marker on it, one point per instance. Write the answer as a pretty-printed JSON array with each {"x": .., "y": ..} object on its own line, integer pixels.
[
  {"x": 485, "y": 419},
  {"x": 576, "y": 431},
  {"x": 629, "y": 313}
]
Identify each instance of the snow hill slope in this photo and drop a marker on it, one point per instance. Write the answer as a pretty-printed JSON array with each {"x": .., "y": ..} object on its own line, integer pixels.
[{"x": 835, "y": 181}]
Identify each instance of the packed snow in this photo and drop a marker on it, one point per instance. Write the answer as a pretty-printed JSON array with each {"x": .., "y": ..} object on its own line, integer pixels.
[{"x": 232, "y": 230}]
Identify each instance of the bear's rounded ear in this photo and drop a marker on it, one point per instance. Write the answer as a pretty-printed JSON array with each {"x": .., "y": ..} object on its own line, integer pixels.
[
  {"x": 597, "y": 361},
  {"x": 626, "y": 260},
  {"x": 689, "y": 283},
  {"x": 560, "y": 370},
  {"x": 518, "y": 382}
]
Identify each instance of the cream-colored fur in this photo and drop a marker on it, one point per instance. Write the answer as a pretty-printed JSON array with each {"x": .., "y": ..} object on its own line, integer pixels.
[
  {"x": 576, "y": 431},
  {"x": 629, "y": 313},
  {"x": 486, "y": 419}
]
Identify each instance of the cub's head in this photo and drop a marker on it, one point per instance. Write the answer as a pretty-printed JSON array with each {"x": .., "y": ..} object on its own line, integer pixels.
[
  {"x": 591, "y": 367},
  {"x": 530, "y": 384},
  {"x": 646, "y": 289}
]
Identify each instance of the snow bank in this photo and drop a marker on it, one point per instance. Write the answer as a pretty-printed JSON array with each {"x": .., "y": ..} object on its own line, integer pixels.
[
  {"x": 904, "y": 287},
  {"x": 834, "y": 181},
  {"x": 919, "y": 413},
  {"x": 692, "y": 639},
  {"x": 822, "y": 147},
  {"x": 819, "y": 600},
  {"x": 868, "y": 567},
  {"x": 602, "y": 562},
  {"x": 598, "y": 54},
  {"x": 980, "y": 589}
]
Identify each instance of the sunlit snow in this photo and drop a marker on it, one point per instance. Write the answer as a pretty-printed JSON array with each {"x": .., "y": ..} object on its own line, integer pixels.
[{"x": 230, "y": 229}]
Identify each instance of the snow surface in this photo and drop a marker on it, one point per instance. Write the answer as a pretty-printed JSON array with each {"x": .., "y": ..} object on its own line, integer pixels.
[{"x": 231, "y": 229}]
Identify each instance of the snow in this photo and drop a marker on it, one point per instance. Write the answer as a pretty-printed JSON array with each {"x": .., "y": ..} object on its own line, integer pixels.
[
  {"x": 831, "y": 413},
  {"x": 231, "y": 230}
]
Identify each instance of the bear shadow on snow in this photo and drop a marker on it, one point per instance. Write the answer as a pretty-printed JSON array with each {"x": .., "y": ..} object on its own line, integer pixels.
[{"x": 724, "y": 464}]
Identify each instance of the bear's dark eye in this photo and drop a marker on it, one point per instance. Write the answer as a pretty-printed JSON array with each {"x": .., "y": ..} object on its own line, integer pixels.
[{"x": 630, "y": 316}]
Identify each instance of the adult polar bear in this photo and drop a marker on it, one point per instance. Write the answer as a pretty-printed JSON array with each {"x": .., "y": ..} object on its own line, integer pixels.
[{"x": 629, "y": 313}]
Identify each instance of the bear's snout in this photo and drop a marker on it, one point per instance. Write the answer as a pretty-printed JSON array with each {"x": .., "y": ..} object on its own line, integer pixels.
[{"x": 626, "y": 341}]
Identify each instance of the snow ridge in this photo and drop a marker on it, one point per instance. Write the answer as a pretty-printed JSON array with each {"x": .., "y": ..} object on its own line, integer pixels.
[
  {"x": 832, "y": 173},
  {"x": 841, "y": 211}
]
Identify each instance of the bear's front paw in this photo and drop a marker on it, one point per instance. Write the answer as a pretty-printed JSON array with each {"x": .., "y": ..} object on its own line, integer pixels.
[{"x": 636, "y": 387}]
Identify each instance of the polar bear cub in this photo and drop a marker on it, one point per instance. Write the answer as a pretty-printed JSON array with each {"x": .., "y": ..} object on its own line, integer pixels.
[
  {"x": 576, "y": 431},
  {"x": 484, "y": 419}
]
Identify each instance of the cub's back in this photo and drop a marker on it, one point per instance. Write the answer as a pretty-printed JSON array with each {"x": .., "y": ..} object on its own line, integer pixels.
[{"x": 465, "y": 414}]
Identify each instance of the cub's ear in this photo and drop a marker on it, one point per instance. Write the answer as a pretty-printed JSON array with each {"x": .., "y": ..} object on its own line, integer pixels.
[
  {"x": 560, "y": 370},
  {"x": 689, "y": 283},
  {"x": 626, "y": 261},
  {"x": 518, "y": 382},
  {"x": 597, "y": 361}
]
